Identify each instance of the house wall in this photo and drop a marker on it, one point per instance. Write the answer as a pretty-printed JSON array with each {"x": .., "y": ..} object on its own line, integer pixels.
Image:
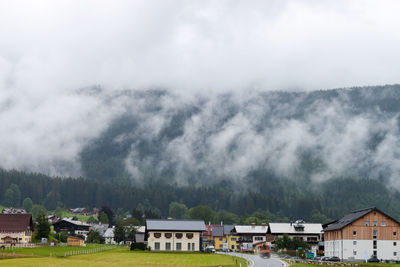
[
  {"x": 233, "y": 242},
  {"x": 356, "y": 240},
  {"x": 22, "y": 237},
  {"x": 219, "y": 242},
  {"x": 152, "y": 240}
]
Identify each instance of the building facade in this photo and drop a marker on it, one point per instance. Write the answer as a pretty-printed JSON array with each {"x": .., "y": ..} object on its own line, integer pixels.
[
  {"x": 15, "y": 229},
  {"x": 363, "y": 234},
  {"x": 248, "y": 235},
  {"x": 307, "y": 232},
  {"x": 174, "y": 235}
]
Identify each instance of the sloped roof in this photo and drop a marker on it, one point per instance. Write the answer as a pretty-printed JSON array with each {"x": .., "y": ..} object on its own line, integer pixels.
[
  {"x": 249, "y": 229},
  {"x": 175, "y": 225},
  {"x": 109, "y": 233},
  {"x": 15, "y": 222},
  {"x": 228, "y": 229},
  {"x": 218, "y": 230},
  {"x": 352, "y": 217},
  {"x": 288, "y": 228}
]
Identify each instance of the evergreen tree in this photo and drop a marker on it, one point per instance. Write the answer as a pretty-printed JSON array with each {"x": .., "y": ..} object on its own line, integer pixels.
[
  {"x": 42, "y": 227},
  {"x": 17, "y": 195},
  {"x": 9, "y": 198},
  {"x": 119, "y": 232},
  {"x": 103, "y": 218},
  {"x": 27, "y": 204},
  {"x": 177, "y": 210}
]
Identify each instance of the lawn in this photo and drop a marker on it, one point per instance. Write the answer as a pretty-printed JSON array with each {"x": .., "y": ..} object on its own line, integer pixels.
[
  {"x": 80, "y": 217},
  {"x": 58, "y": 251},
  {"x": 124, "y": 257}
]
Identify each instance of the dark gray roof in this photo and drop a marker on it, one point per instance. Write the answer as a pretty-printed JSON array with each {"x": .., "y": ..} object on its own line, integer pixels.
[
  {"x": 218, "y": 230},
  {"x": 175, "y": 225},
  {"x": 352, "y": 217},
  {"x": 228, "y": 229}
]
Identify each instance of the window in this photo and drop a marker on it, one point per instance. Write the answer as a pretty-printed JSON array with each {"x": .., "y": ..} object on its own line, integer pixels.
[
  {"x": 157, "y": 235},
  {"x": 220, "y": 246},
  {"x": 394, "y": 244},
  {"x": 188, "y": 246},
  {"x": 374, "y": 223},
  {"x": 233, "y": 246},
  {"x": 189, "y": 235},
  {"x": 179, "y": 246},
  {"x": 355, "y": 253},
  {"x": 178, "y": 235},
  {"x": 193, "y": 246},
  {"x": 220, "y": 239},
  {"x": 394, "y": 233},
  {"x": 354, "y": 243},
  {"x": 394, "y": 253},
  {"x": 157, "y": 246},
  {"x": 168, "y": 235},
  {"x": 354, "y": 233},
  {"x": 167, "y": 246},
  {"x": 374, "y": 233},
  {"x": 383, "y": 223},
  {"x": 374, "y": 244},
  {"x": 375, "y": 253},
  {"x": 233, "y": 239},
  {"x": 366, "y": 223},
  {"x": 258, "y": 238}
]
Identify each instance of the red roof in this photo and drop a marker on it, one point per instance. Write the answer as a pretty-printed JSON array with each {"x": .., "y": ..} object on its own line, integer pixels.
[{"x": 15, "y": 222}]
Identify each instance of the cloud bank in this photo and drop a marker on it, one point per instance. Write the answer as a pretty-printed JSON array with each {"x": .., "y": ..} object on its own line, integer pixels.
[{"x": 51, "y": 49}]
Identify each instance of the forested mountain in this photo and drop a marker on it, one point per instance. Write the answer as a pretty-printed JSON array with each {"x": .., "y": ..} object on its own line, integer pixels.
[{"x": 312, "y": 155}]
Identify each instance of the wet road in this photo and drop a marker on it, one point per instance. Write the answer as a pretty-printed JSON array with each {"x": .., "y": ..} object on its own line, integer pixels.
[{"x": 257, "y": 261}]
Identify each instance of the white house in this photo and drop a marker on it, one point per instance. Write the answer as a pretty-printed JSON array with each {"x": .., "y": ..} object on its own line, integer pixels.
[
  {"x": 174, "y": 235},
  {"x": 363, "y": 234},
  {"x": 308, "y": 232},
  {"x": 109, "y": 236},
  {"x": 249, "y": 235}
]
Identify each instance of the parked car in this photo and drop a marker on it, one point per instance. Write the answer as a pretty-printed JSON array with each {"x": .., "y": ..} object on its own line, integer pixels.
[
  {"x": 373, "y": 259},
  {"x": 334, "y": 259},
  {"x": 325, "y": 258},
  {"x": 210, "y": 249},
  {"x": 318, "y": 258}
]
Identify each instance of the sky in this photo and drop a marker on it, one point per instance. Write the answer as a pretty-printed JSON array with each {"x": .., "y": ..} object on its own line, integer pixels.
[{"x": 50, "y": 50}]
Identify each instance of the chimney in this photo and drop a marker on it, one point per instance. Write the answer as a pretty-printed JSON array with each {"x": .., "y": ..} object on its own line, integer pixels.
[
  {"x": 291, "y": 223},
  {"x": 209, "y": 223},
  {"x": 263, "y": 225},
  {"x": 253, "y": 225},
  {"x": 222, "y": 223}
]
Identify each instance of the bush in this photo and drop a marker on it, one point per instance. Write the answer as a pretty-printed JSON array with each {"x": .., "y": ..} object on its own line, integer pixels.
[{"x": 138, "y": 246}]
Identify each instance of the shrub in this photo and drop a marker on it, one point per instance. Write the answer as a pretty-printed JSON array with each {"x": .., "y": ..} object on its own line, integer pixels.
[{"x": 138, "y": 246}]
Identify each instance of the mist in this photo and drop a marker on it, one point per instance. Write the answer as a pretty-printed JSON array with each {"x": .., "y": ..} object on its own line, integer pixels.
[{"x": 215, "y": 55}]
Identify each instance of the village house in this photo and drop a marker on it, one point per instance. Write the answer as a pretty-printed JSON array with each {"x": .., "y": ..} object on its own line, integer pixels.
[
  {"x": 362, "y": 234},
  {"x": 109, "y": 236},
  {"x": 15, "y": 229},
  {"x": 249, "y": 235},
  {"x": 72, "y": 227},
  {"x": 231, "y": 238},
  {"x": 174, "y": 235},
  {"x": 307, "y": 232},
  {"x": 218, "y": 237}
]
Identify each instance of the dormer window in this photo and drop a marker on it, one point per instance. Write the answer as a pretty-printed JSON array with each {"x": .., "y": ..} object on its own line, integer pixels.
[{"x": 366, "y": 223}]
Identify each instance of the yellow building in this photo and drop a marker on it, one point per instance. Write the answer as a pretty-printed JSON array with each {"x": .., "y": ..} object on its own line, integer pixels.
[
  {"x": 75, "y": 241},
  {"x": 15, "y": 229},
  {"x": 233, "y": 243}
]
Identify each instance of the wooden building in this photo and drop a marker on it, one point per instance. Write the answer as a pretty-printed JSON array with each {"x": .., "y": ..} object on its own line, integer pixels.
[
  {"x": 72, "y": 227},
  {"x": 363, "y": 234},
  {"x": 75, "y": 241}
]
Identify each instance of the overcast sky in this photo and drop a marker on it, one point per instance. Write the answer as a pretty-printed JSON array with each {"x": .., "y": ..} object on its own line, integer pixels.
[{"x": 52, "y": 46}]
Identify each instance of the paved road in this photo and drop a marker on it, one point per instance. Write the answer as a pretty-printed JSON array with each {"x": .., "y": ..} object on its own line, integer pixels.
[{"x": 257, "y": 261}]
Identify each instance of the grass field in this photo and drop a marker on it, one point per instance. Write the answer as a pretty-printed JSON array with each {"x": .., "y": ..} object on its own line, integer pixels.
[
  {"x": 82, "y": 218},
  {"x": 124, "y": 257},
  {"x": 58, "y": 251}
]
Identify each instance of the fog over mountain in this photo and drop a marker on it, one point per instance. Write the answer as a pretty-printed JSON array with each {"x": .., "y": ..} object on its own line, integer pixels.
[{"x": 199, "y": 92}]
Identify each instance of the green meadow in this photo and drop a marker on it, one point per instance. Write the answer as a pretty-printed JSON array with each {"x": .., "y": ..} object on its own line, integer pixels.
[{"x": 125, "y": 257}]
